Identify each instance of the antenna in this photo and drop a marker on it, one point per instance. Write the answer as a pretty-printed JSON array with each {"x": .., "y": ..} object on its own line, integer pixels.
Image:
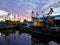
[
  {"x": 32, "y": 16},
  {"x": 37, "y": 14},
  {"x": 32, "y": 13}
]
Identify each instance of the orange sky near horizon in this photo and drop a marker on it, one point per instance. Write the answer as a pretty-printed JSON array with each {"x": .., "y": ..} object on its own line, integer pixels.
[
  {"x": 27, "y": 17},
  {"x": 20, "y": 18}
]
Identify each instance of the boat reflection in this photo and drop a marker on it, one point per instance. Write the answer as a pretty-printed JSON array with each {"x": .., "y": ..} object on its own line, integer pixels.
[{"x": 18, "y": 37}]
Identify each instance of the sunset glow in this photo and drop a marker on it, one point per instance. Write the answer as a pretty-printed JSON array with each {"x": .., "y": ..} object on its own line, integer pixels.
[{"x": 23, "y": 8}]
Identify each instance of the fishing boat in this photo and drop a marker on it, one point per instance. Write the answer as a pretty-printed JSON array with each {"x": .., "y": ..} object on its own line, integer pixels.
[{"x": 43, "y": 26}]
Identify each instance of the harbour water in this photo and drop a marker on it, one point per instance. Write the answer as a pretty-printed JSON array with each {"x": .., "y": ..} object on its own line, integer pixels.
[{"x": 18, "y": 37}]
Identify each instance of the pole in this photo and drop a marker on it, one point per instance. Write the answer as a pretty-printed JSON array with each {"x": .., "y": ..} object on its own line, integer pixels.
[{"x": 32, "y": 16}]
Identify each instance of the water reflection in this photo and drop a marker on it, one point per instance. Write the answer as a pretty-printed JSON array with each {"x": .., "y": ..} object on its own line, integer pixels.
[{"x": 18, "y": 37}]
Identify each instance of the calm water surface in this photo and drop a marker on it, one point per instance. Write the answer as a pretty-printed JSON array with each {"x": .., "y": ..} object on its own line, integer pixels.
[{"x": 16, "y": 37}]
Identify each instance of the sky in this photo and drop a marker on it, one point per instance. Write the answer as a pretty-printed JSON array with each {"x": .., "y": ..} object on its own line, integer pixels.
[{"x": 23, "y": 8}]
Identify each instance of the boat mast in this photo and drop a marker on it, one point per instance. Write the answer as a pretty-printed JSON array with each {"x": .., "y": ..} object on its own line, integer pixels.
[
  {"x": 50, "y": 12},
  {"x": 32, "y": 16}
]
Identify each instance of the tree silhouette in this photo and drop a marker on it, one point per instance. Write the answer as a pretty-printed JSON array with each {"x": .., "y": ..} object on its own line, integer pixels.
[{"x": 25, "y": 20}]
